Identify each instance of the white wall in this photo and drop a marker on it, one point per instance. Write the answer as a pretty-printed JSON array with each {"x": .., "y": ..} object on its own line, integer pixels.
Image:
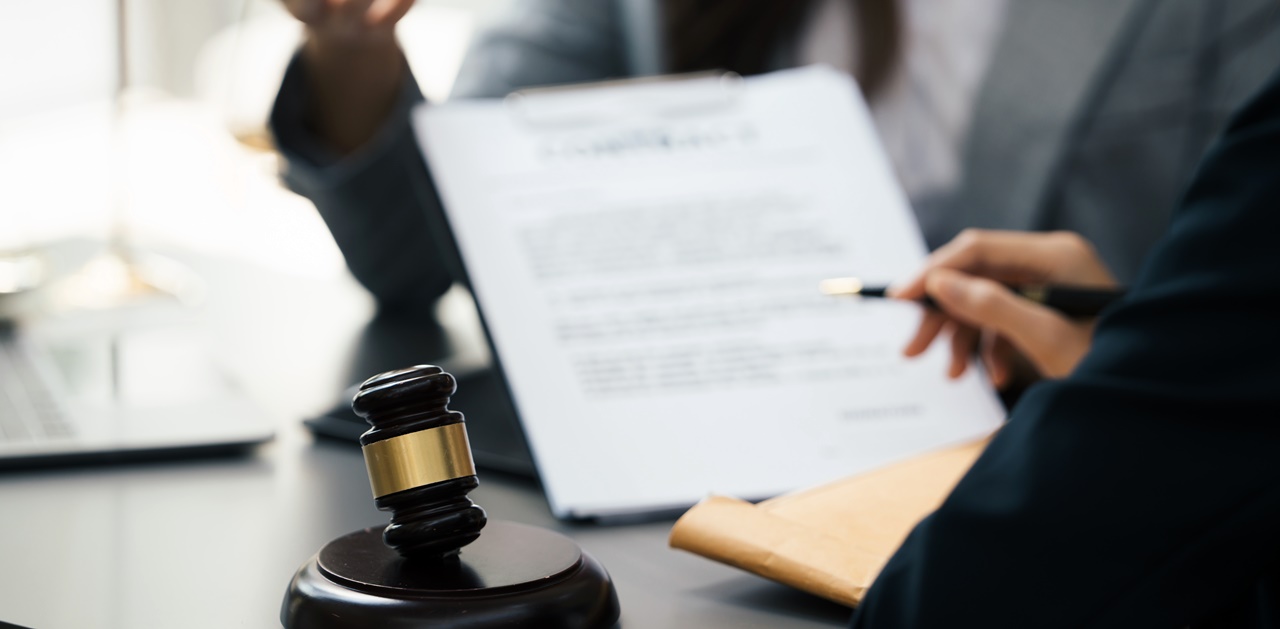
[
  {"x": 54, "y": 53},
  {"x": 62, "y": 53}
]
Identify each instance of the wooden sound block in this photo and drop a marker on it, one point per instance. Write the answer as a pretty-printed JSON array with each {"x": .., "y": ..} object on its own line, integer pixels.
[{"x": 512, "y": 576}]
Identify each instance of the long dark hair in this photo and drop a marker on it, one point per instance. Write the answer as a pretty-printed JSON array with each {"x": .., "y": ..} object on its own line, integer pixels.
[{"x": 742, "y": 35}]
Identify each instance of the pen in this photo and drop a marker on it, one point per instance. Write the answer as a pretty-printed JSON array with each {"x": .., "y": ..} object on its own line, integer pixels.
[{"x": 1073, "y": 301}]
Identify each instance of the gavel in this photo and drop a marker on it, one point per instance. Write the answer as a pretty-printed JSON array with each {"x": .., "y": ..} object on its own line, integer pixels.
[
  {"x": 431, "y": 566},
  {"x": 419, "y": 462}
]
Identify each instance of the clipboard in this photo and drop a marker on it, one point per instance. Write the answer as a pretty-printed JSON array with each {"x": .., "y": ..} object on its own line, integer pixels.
[
  {"x": 644, "y": 256},
  {"x": 714, "y": 90}
]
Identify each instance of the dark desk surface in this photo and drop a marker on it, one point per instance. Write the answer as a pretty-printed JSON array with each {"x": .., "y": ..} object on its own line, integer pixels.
[{"x": 213, "y": 543}]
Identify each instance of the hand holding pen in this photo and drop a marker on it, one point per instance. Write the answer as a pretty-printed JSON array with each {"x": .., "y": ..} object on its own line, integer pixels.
[{"x": 968, "y": 280}]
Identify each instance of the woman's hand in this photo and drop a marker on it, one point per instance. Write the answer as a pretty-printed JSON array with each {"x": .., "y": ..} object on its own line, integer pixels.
[
  {"x": 349, "y": 22},
  {"x": 354, "y": 66},
  {"x": 967, "y": 279}
]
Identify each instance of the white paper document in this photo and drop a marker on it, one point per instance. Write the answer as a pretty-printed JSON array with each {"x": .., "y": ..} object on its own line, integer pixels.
[{"x": 646, "y": 258}]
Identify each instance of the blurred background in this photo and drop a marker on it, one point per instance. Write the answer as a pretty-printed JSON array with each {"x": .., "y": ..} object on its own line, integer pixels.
[
  {"x": 186, "y": 161},
  {"x": 178, "y": 164}
]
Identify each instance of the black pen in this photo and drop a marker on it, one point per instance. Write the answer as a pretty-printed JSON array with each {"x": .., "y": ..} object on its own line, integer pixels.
[{"x": 1073, "y": 301}]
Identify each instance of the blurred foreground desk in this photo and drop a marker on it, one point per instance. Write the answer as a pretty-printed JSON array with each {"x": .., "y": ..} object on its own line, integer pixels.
[{"x": 213, "y": 543}]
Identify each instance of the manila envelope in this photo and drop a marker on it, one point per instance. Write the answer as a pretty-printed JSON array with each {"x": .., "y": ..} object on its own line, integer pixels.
[{"x": 831, "y": 540}]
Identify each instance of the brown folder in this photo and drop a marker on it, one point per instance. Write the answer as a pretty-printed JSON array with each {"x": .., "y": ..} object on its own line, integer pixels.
[{"x": 830, "y": 540}]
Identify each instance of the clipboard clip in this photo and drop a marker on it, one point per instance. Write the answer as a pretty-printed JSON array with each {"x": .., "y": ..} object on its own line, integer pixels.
[{"x": 588, "y": 104}]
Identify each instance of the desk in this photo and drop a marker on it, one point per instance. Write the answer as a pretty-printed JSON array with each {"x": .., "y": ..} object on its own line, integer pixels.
[{"x": 213, "y": 543}]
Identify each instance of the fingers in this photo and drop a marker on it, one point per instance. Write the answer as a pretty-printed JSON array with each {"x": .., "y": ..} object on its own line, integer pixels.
[
  {"x": 998, "y": 356},
  {"x": 1053, "y": 343},
  {"x": 964, "y": 344},
  {"x": 930, "y": 325},
  {"x": 913, "y": 288},
  {"x": 1024, "y": 257},
  {"x": 385, "y": 13},
  {"x": 964, "y": 340},
  {"x": 350, "y": 9},
  {"x": 353, "y": 24},
  {"x": 306, "y": 11},
  {"x": 1014, "y": 257},
  {"x": 314, "y": 12}
]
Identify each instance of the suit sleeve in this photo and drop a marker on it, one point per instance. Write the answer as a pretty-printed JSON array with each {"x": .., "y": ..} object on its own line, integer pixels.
[
  {"x": 545, "y": 42},
  {"x": 1143, "y": 490},
  {"x": 380, "y": 203}
]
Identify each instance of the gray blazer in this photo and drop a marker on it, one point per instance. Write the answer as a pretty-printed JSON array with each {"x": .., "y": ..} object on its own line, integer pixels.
[{"x": 1091, "y": 118}]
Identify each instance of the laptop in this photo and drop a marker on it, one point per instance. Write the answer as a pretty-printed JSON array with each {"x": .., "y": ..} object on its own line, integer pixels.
[{"x": 123, "y": 395}]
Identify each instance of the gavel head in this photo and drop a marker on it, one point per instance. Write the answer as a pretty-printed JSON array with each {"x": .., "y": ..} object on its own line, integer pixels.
[{"x": 419, "y": 462}]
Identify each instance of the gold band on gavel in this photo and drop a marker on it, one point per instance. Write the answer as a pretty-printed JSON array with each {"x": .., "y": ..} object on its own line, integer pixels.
[{"x": 418, "y": 458}]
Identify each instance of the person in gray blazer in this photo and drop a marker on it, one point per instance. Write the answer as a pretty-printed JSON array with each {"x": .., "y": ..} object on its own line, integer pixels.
[{"x": 1081, "y": 115}]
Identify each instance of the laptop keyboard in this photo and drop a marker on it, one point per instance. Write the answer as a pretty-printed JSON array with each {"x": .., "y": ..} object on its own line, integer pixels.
[{"x": 28, "y": 410}]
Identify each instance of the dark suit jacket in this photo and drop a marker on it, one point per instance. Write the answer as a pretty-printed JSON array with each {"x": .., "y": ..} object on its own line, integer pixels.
[{"x": 1143, "y": 490}]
